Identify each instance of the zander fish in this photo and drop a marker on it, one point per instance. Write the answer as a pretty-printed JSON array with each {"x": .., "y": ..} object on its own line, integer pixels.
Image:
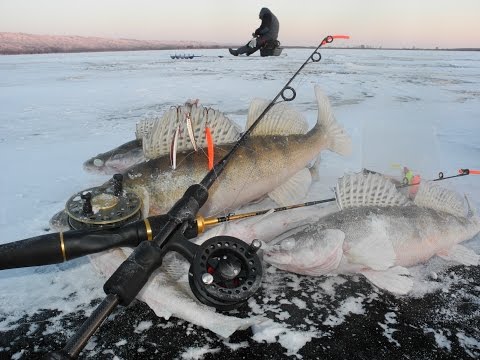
[
  {"x": 272, "y": 161},
  {"x": 379, "y": 232}
]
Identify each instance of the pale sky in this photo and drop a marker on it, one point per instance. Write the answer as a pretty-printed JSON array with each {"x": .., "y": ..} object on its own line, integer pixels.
[{"x": 397, "y": 23}]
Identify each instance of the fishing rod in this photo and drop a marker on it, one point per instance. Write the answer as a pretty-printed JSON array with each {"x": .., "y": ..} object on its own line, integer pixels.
[
  {"x": 203, "y": 223},
  {"x": 441, "y": 177},
  {"x": 222, "y": 289}
]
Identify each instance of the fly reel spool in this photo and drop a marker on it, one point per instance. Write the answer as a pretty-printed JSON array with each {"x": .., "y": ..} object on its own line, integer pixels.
[
  {"x": 103, "y": 206},
  {"x": 225, "y": 272}
]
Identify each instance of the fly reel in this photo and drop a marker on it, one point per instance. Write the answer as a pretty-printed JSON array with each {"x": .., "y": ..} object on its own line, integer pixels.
[
  {"x": 225, "y": 272},
  {"x": 103, "y": 206}
]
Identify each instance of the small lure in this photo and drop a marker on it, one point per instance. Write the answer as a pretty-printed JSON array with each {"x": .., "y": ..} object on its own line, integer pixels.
[
  {"x": 210, "y": 153},
  {"x": 190, "y": 132},
  {"x": 173, "y": 148}
]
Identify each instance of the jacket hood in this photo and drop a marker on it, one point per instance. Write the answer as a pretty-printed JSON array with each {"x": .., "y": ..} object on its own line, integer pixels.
[{"x": 264, "y": 12}]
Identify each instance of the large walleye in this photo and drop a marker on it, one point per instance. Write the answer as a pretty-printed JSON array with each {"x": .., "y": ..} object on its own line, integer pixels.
[
  {"x": 379, "y": 232},
  {"x": 272, "y": 161}
]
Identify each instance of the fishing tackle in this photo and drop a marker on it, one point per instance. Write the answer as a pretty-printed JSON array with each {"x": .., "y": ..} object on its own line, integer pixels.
[
  {"x": 190, "y": 131},
  {"x": 210, "y": 145},
  {"x": 173, "y": 148},
  {"x": 468, "y": 172},
  {"x": 210, "y": 148},
  {"x": 224, "y": 271}
]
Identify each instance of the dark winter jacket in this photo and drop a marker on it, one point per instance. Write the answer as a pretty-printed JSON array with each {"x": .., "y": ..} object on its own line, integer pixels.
[{"x": 270, "y": 26}]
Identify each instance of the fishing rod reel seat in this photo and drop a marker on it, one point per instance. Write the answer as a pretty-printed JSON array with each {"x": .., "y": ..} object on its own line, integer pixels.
[{"x": 105, "y": 206}]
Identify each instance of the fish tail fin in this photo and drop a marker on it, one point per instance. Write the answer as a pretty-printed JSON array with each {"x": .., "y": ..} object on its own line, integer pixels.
[
  {"x": 338, "y": 139},
  {"x": 461, "y": 255}
]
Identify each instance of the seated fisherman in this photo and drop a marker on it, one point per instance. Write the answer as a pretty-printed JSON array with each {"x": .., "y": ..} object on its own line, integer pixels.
[{"x": 268, "y": 31}]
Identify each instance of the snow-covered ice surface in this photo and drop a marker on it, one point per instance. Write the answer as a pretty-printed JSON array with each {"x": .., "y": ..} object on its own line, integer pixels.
[{"x": 415, "y": 108}]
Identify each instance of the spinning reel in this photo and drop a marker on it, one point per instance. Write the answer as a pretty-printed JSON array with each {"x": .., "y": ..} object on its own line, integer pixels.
[
  {"x": 225, "y": 272},
  {"x": 103, "y": 206}
]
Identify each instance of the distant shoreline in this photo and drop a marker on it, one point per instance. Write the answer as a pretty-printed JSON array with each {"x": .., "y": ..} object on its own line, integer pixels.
[
  {"x": 87, "y": 50},
  {"x": 191, "y": 49},
  {"x": 30, "y": 44}
]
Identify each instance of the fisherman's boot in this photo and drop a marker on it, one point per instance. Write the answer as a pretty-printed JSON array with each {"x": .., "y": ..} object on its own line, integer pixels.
[
  {"x": 233, "y": 52},
  {"x": 243, "y": 50}
]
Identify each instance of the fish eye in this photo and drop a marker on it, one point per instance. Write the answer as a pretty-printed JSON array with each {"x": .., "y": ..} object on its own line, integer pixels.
[{"x": 98, "y": 162}]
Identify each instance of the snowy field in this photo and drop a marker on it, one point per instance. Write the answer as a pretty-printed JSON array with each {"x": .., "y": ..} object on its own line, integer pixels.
[{"x": 414, "y": 108}]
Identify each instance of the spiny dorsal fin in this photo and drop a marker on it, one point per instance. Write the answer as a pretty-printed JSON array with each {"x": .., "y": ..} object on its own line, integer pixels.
[
  {"x": 281, "y": 119},
  {"x": 157, "y": 141},
  {"x": 143, "y": 128},
  {"x": 359, "y": 190},
  {"x": 433, "y": 196}
]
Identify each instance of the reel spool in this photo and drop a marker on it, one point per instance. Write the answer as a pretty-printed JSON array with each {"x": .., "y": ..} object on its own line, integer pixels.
[
  {"x": 225, "y": 272},
  {"x": 103, "y": 207}
]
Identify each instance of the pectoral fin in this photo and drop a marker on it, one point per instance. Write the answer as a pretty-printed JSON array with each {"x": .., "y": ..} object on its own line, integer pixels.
[
  {"x": 460, "y": 254},
  {"x": 294, "y": 189},
  {"x": 396, "y": 279},
  {"x": 375, "y": 252}
]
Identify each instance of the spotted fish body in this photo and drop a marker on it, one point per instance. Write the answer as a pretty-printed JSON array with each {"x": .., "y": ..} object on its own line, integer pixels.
[
  {"x": 262, "y": 164},
  {"x": 379, "y": 240}
]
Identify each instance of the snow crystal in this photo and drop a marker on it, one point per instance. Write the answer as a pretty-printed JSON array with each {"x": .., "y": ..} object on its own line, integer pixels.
[
  {"x": 471, "y": 345},
  {"x": 390, "y": 318},
  {"x": 198, "y": 353},
  {"x": 441, "y": 340},
  {"x": 292, "y": 340},
  {"x": 18, "y": 355},
  {"x": 300, "y": 303},
  {"x": 351, "y": 305},
  {"x": 236, "y": 346},
  {"x": 143, "y": 325},
  {"x": 121, "y": 342}
]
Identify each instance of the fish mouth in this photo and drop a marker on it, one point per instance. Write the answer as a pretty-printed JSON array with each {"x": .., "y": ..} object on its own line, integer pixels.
[
  {"x": 98, "y": 166},
  {"x": 276, "y": 258}
]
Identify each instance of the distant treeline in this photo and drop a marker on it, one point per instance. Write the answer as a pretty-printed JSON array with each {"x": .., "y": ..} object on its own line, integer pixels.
[
  {"x": 21, "y": 43},
  {"x": 59, "y": 49}
]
